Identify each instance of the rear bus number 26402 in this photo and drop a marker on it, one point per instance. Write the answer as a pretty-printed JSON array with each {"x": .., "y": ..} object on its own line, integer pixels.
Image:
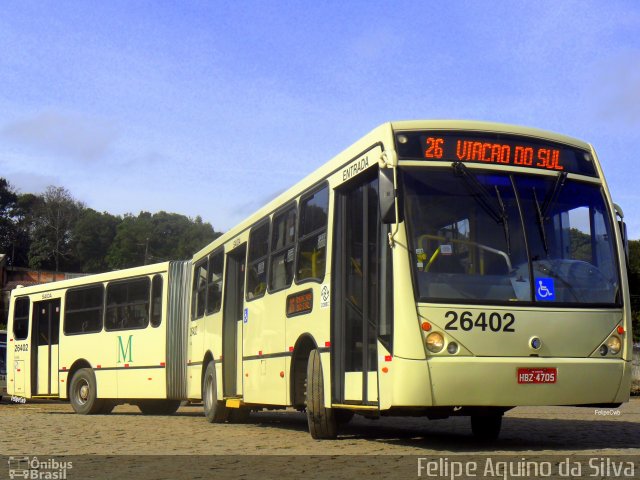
[{"x": 493, "y": 321}]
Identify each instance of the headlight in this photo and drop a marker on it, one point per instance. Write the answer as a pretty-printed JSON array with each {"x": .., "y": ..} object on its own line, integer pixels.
[
  {"x": 435, "y": 342},
  {"x": 613, "y": 344}
]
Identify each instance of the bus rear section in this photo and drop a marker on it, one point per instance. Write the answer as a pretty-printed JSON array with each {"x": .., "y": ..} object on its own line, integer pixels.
[
  {"x": 517, "y": 270},
  {"x": 102, "y": 340}
]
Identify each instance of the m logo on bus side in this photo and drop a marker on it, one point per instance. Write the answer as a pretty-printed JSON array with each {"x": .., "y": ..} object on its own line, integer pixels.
[{"x": 123, "y": 352}]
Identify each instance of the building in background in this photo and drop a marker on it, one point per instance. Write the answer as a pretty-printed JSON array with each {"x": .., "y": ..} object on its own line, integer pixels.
[{"x": 11, "y": 277}]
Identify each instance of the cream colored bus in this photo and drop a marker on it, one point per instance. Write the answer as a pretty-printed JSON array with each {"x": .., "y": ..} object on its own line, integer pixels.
[
  {"x": 101, "y": 340},
  {"x": 433, "y": 268}
]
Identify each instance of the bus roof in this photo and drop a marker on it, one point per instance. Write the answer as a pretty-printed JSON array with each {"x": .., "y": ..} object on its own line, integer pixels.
[
  {"x": 382, "y": 134},
  {"x": 88, "y": 279}
]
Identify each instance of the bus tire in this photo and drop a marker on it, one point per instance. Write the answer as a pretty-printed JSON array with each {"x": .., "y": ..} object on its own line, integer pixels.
[
  {"x": 214, "y": 410},
  {"x": 83, "y": 393},
  {"x": 321, "y": 420},
  {"x": 159, "y": 407},
  {"x": 486, "y": 427}
]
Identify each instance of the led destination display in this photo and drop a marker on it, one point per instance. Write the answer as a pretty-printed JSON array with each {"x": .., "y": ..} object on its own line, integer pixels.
[{"x": 494, "y": 150}]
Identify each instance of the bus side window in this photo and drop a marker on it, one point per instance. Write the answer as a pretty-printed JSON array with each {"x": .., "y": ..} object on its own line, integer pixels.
[
  {"x": 198, "y": 295},
  {"x": 257, "y": 267},
  {"x": 21, "y": 318},
  {"x": 128, "y": 304},
  {"x": 83, "y": 310},
  {"x": 214, "y": 283},
  {"x": 312, "y": 240},
  {"x": 283, "y": 239},
  {"x": 156, "y": 301}
]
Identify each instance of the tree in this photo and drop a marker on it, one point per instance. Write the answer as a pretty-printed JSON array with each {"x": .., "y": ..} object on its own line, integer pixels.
[
  {"x": 52, "y": 227},
  {"x": 24, "y": 220},
  {"x": 156, "y": 238},
  {"x": 197, "y": 235},
  {"x": 8, "y": 201},
  {"x": 130, "y": 246},
  {"x": 177, "y": 237},
  {"x": 580, "y": 245},
  {"x": 168, "y": 230},
  {"x": 92, "y": 236},
  {"x": 54, "y": 231},
  {"x": 634, "y": 267},
  {"x": 634, "y": 284}
]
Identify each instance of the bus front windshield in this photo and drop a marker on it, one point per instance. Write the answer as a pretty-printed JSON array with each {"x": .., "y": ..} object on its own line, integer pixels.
[{"x": 491, "y": 237}]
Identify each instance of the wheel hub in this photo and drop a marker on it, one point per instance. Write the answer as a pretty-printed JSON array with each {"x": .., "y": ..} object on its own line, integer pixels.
[{"x": 84, "y": 392}]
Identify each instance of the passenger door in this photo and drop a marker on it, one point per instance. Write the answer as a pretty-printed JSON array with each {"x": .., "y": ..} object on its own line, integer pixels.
[
  {"x": 356, "y": 294},
  {"x": 233, "y": 307},
  {"x": 44, "y": 347}
]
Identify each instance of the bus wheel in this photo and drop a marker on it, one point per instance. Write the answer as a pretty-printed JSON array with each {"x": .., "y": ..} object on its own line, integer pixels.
[
  {"x": 159, "y": 407},
  {"x": 83, "y": 393},
  {"x": 322, "y": 421},
  {"x": 214, "y": 410},
  {"x": 486, "y": 427}
]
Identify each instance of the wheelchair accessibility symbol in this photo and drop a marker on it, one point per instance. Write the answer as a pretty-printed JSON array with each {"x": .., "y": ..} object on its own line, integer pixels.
[{"x": 545, "y": 291}]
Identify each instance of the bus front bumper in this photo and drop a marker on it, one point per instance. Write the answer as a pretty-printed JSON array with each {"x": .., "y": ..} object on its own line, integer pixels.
[{"x": 494, "y": 381}]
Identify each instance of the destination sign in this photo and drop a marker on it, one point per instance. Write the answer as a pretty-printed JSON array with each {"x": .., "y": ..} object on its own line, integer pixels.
[
  {"x": 300, "y": 303},
  {"x": 494, "y": 150}
]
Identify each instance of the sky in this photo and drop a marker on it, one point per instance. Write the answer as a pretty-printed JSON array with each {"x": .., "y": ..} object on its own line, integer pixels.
[{"x": 213, "y": 108}]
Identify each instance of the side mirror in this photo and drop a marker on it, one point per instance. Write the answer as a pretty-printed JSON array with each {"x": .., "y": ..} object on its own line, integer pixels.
[
  {"x": 623, "y": 230},
  {"x": 625, "y": 238},
  {"x": 388, "y": 196}
]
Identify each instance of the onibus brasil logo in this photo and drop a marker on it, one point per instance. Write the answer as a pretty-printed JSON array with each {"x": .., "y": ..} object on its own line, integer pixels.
[{"x": 35, "y": 468}]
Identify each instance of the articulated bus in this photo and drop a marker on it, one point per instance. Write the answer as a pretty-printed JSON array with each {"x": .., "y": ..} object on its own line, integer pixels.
[
  {"x": 102, "y": 339},
  {"x": 433, "y": 268}
]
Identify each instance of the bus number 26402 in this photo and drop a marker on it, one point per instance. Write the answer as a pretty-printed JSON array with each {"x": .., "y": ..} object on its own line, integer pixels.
[{"x": 493, "y": 321}]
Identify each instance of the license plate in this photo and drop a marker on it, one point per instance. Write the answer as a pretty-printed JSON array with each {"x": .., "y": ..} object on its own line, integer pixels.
[{"x": 537, "y": 375}]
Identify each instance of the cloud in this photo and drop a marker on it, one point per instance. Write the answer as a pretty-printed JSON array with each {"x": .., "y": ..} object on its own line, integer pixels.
[
  {"x": 620, "y": 89},
  {"x": 247, "y": 208},
  {"x": 73, "y": 136},
  {"x": 31, "y": 182}
]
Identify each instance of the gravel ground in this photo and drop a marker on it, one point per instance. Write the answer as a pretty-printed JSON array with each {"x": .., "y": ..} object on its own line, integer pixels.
[{"x": 277, "y": 444}]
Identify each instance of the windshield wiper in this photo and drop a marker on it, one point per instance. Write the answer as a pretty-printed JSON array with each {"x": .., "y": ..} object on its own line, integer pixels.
[
  {"x": 505, "y": 220},
  {"x": 542, "y": 211},
  {"x": 540, "y": 218},
  {"x": 555, "y": 191},
  {"x": 485, "y": 199}
]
